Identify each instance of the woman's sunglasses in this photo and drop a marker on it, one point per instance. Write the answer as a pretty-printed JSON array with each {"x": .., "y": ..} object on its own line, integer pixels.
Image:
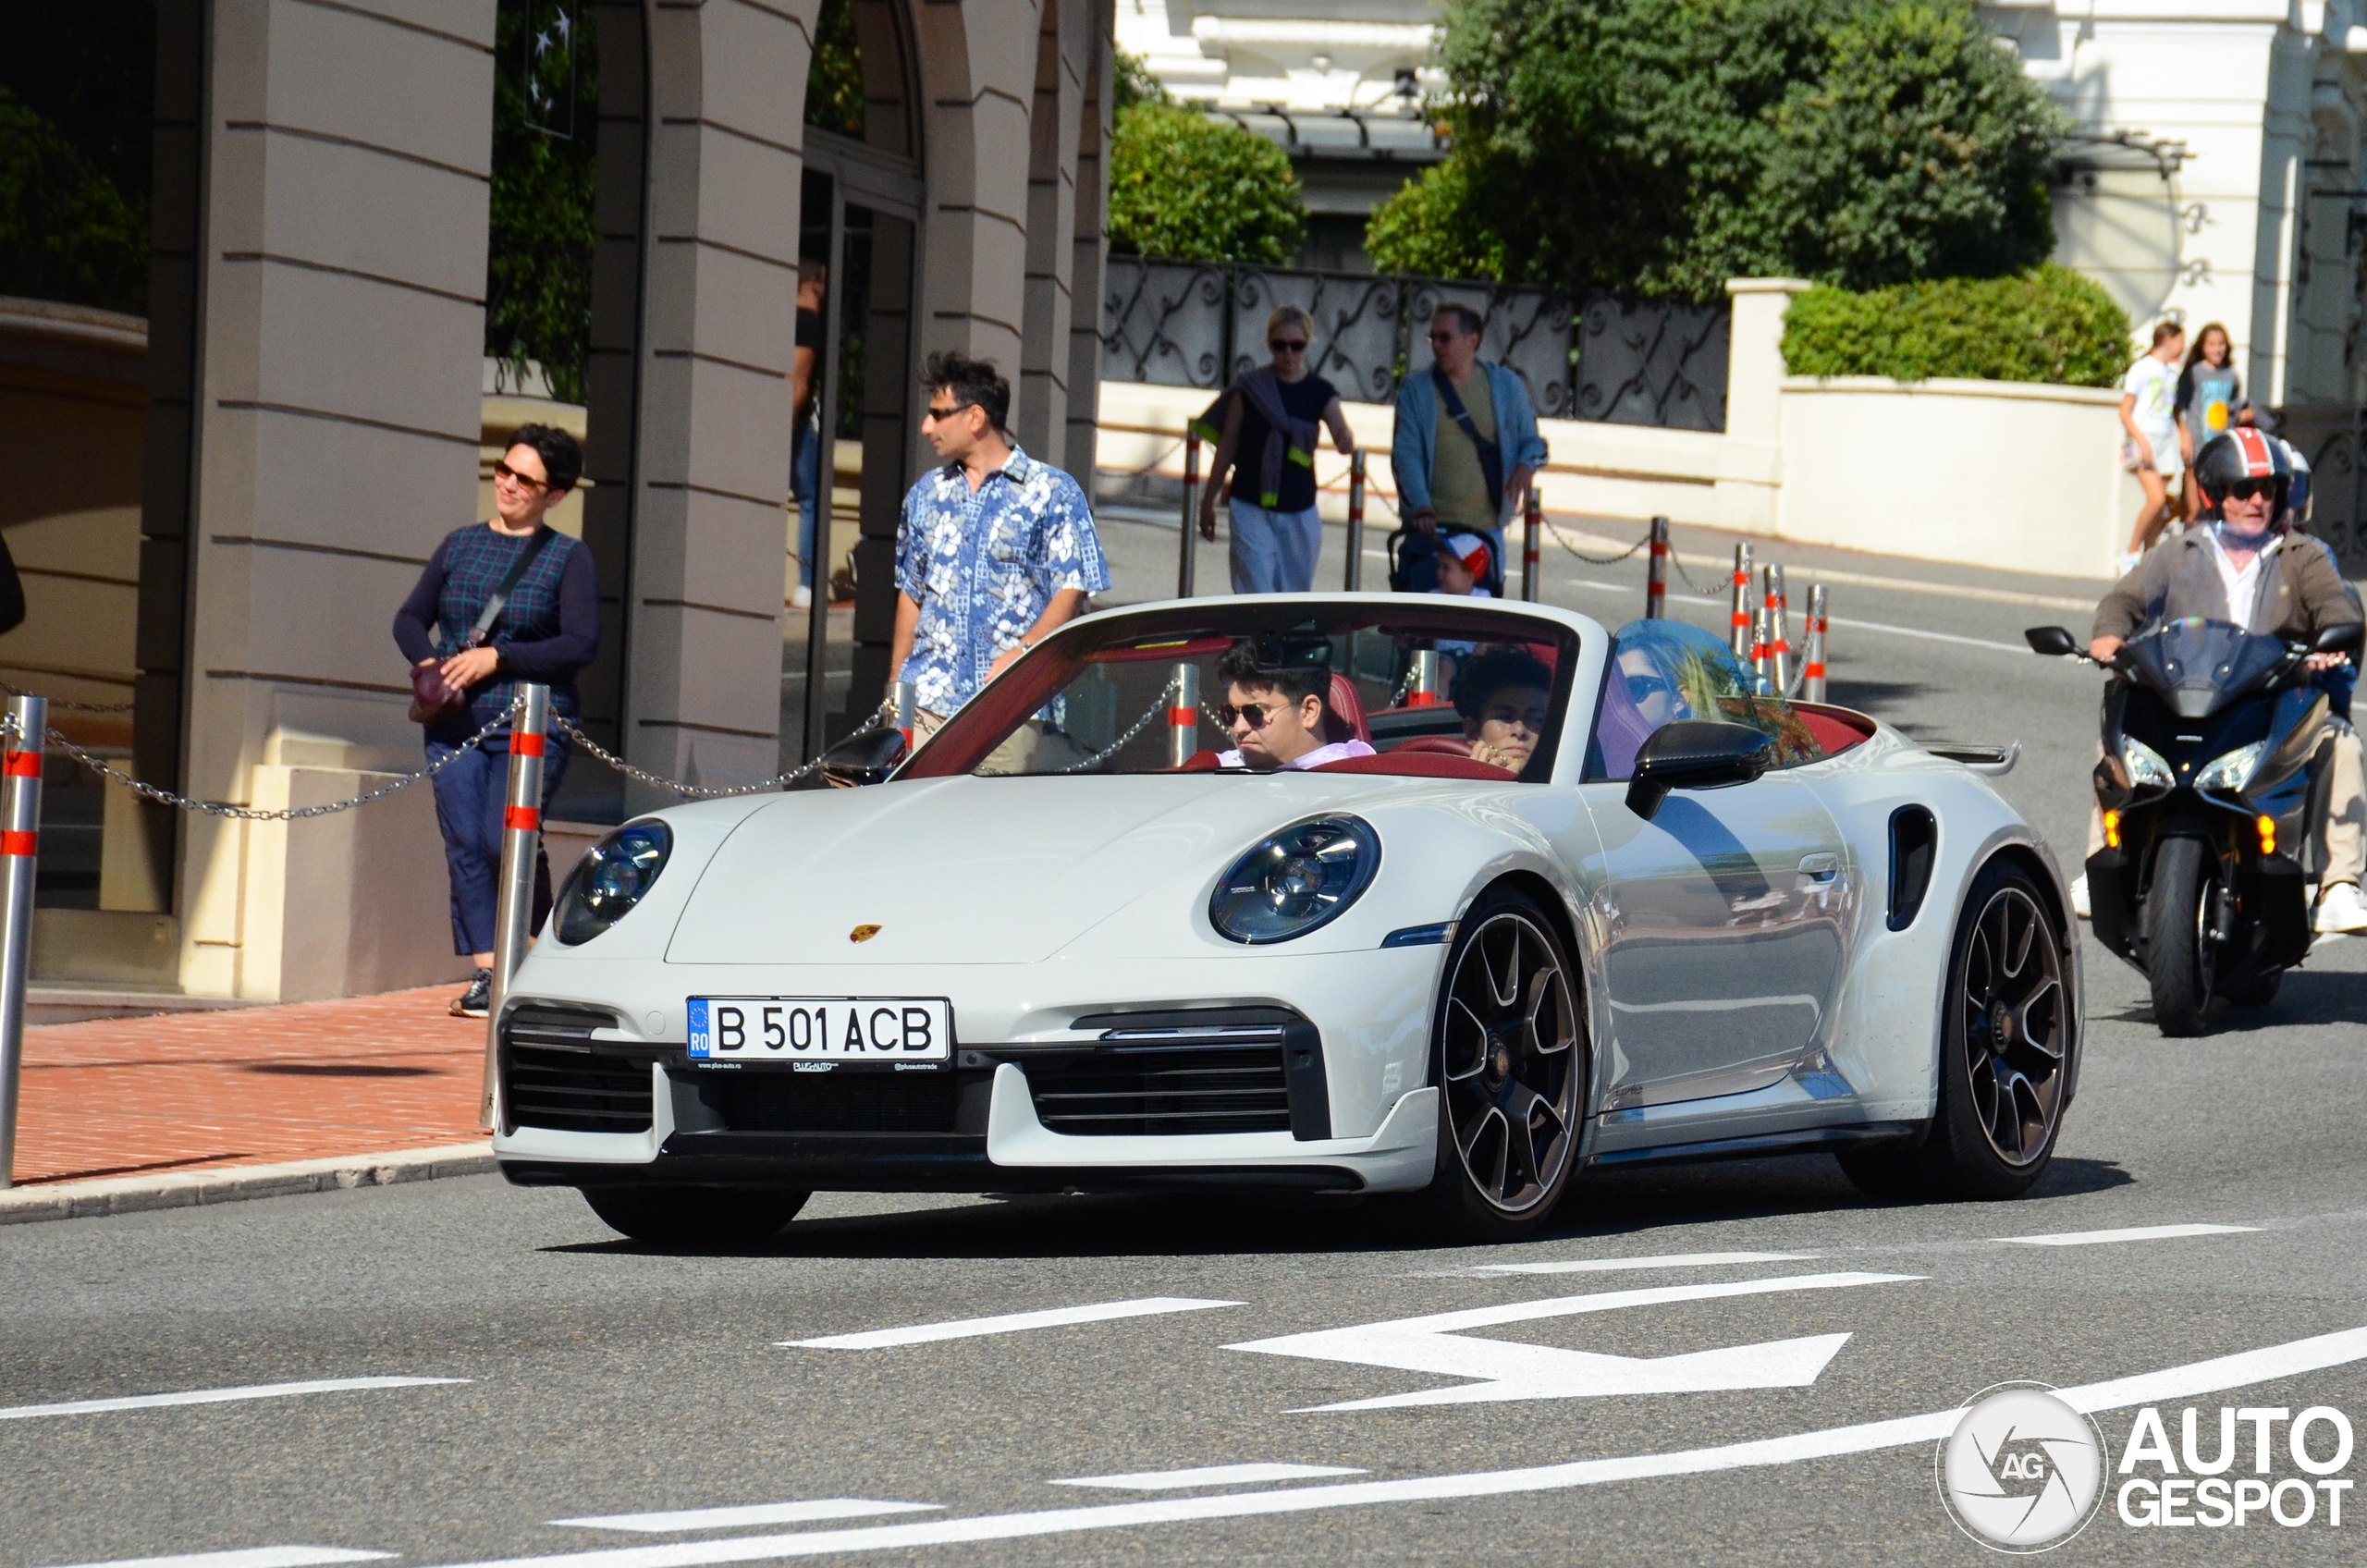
[
  {"x": 503, "y": 471},
  {"x": 1287, "y": 344}
]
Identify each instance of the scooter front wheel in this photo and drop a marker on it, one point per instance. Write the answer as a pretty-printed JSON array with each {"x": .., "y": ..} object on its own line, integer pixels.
[{"x": 2180, "y": 957}]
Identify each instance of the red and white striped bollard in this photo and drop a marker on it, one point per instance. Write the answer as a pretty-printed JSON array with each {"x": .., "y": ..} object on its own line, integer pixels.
[{"x": 19, "y": 847}]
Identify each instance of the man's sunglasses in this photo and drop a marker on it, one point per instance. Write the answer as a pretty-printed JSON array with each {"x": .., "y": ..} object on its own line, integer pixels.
[
  {"x": 503, "y": 471},
  {"x": 1256, "y": 715},
  {"x": 2254, "y": 490},
  {"x": 934, "y": 412}
]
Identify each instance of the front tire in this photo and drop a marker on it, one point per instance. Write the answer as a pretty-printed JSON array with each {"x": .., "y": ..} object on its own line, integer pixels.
[
  {"x": 1508, "y": 1055},
  {"x": 2178, "y": 960},
  {"x": 2006, "y": 1040},
  {"x": 695, "y": 1218}
]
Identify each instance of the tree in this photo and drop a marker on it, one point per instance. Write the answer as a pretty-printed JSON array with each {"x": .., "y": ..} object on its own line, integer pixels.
[
  {"x": 1187, "y": 187},
  {"x": 538, "y": 260},
  {"x": 1424, "y": 228},
  {"x": 1136, "y": 84},
  {"x": 1664, "y": 146}
]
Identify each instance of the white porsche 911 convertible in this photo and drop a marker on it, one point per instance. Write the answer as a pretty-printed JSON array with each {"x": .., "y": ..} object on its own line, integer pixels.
[{"x": 1445, "y": 898}]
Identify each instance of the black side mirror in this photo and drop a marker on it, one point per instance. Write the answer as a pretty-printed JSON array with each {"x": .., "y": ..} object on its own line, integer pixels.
[
  {"x": 2341, "y": 638},
  {"x": 2051, "y": 641},
  {"x": 867, "y": 758},
  {"x": 1695, "y": 753}
]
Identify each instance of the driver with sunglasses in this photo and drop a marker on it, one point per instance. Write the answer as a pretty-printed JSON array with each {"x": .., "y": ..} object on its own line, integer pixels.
[
  {"x": 2235, "y": 568},
  {"x": 1276, "y": 715}
]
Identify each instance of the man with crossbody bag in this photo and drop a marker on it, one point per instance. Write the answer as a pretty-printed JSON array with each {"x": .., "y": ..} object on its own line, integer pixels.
[
  {"x": 511, "y": 599},
  {"x": 1466, "y": 446}
]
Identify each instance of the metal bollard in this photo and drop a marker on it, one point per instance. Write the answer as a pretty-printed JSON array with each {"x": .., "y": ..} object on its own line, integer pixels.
[
  {"x": 1656, "y": 574},
  {"x": 1183, "y": 716},
  {"x": 20, "y": 843},
  {"x": 1190, "y": 515},
  {"x": 908, "y": 708},
  {"x": 1532, "y": 528},
  {"x": 1738, "y": 628},
  {"x": 1812, "y": 653},
  {"x": 1779, "y": 612},
  {"x": 1760, "y": 650},
  {"x": 522, "y": 837},
  {"x": 1426, "y": 680},
  {"x": 1354, "y": 579}
]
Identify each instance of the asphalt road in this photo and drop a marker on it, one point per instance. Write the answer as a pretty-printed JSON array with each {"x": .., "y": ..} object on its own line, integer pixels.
[{"x": 598, "y": 1381}]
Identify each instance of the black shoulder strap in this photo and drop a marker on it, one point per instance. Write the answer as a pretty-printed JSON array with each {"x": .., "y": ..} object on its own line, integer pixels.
[
  {"x": 1492, "y": 456},
  {"x": 500, "y": 600}
]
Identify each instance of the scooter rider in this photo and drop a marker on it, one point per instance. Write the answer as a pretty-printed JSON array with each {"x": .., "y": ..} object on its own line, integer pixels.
[{"x": 2236, "y": 568}]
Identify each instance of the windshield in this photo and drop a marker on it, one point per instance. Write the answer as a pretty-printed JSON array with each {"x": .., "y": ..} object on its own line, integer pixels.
[
  {"x": 1663, "y": 670},
  {"x": 2198, "y": 663},
  {"x": 1414, "y": 686}
]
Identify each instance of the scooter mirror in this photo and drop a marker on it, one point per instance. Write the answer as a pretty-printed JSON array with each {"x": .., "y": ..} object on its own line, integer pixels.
[
  {"x": 2051, "y": 641},
  {"x": 2341, "y": 638}
]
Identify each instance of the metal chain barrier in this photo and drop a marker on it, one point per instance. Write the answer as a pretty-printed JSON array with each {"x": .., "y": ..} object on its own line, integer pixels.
[
  {"x": 780, "y": 780},
  {"x": 1166, "y": 694},
  {"x": 63, "y": 705},
  {"x": 1555, "y": 530},
  {"x": 1712, "y": 593},
  {"x": 291, "y": 813}
]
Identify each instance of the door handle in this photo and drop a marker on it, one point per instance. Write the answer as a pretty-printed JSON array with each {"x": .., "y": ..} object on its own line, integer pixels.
[{"x": 1821, "y": 867}]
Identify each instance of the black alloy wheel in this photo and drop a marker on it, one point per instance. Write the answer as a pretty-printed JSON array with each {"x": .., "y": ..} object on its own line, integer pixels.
[
  {"x": 1508, "y": 1054},
  {"x": 694, "y": 1219},
  {"x": 2005, "y": 1042}
]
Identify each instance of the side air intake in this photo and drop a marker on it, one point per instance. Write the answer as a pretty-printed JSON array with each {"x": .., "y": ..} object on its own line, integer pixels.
[{"x": 1914, "y": 841}]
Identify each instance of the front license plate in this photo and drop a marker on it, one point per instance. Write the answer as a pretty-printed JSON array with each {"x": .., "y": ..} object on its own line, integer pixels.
[{"x": 821, "y": 1032}]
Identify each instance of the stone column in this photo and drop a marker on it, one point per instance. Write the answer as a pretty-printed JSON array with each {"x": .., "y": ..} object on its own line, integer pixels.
[
  {"x": 340, "y": 272},
  {"x": 1090, "y": 248},
  {"x": 720, "y": 278},
  {"x": 978, "y": 60},
  {"x": 1064, "y": 60}
]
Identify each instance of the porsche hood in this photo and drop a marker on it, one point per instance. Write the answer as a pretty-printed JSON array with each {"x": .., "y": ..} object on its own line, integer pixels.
[{"x": 972, "y": 870}]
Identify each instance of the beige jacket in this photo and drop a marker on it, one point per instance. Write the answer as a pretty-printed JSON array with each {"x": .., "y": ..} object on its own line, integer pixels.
[{"x": 2301, "y": 592}]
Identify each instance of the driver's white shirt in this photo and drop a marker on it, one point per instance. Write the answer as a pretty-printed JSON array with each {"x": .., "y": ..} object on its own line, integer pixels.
[
  {"x": 1339, "y": 751},
  {"x": 2243, "y": 587}
]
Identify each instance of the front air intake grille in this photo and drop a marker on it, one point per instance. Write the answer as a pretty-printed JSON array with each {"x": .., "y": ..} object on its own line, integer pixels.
[
  {"x": 833, "y": 1102},
  {"x": 571, "y": 1089},
  {"x": 1177, "y": 1074}
]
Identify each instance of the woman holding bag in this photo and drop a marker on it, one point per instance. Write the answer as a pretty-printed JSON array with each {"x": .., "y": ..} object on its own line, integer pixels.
[{"x": 511, "y": 599}]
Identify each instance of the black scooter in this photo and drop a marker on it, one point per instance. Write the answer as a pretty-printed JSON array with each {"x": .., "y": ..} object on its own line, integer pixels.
[{"x": 2215, "y": 748}]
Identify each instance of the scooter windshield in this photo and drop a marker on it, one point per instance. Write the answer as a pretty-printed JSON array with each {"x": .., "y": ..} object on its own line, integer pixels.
[{"x": 2199, "y": 666}]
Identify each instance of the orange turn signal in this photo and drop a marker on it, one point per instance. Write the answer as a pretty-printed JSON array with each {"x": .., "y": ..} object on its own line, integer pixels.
[
  {"x": 2112, "y": 831},
  {"x": 2267, "y": 826}
]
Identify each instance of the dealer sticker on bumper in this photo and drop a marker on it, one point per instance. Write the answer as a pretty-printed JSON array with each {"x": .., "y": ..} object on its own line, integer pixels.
[{"x": 869, "y": 1031}]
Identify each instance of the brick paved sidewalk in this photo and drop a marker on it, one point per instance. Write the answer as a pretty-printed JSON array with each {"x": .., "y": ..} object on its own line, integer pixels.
[{"x": 251, "y": 1086}]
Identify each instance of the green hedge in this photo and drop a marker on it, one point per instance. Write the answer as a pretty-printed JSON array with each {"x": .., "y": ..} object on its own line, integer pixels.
[
  {"x": 2046, "y": 324},
  {"x": 1192, "y": 189}
]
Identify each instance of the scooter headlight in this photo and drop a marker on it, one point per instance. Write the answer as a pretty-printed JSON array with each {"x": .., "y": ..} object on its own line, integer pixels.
[
  {"x": 2144, "y": 763},
  {"x": 2232, "y": 770}
]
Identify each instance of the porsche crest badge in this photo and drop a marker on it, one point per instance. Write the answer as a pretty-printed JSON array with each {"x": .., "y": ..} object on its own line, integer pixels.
[{"x": 863, "y": 932}]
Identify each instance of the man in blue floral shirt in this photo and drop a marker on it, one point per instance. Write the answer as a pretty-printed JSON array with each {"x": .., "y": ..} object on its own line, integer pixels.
[{"x": 994, "y": 551}]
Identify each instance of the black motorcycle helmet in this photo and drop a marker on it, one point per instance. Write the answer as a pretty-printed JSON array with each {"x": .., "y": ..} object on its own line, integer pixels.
[{"x": 2242, "y": 454}]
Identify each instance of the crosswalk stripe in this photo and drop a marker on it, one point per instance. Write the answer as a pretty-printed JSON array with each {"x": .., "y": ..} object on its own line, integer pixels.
[{"x": 2133, "y": 1233}]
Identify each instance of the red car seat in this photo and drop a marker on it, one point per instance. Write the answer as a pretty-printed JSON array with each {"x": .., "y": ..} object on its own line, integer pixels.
[{"x": 1344, "y": 713}]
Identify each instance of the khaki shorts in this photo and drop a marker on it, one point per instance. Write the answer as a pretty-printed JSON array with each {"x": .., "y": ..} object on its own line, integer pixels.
[{"x": 1016, "y": 754}]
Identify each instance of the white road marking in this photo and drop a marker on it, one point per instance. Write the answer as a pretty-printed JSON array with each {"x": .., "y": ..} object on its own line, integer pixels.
[
  {"x": 807, "y": 1512},
  {"x": 1506, "y": 1370},
  {"x": 2219, "y": 1374},
  {"x": 252, "y": 1556},
  {"x": 220, "y": 1396},
  {"x": 2135, "y": 1233},
  {"x": 1669, "y": 1260},
  {"x": 1209, "y": 1476},
  {"x": 1008, "y": 1323}
]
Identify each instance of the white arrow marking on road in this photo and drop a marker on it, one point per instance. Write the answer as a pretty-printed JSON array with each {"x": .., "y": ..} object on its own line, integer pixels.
[
  {"x": 1008, "y": 1323},
  {"x": 1509, "y": 1371},
  {"x": 221, "y": 1396}
]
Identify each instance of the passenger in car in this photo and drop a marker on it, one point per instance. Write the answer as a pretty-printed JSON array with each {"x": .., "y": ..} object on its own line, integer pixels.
[
  {"x": 1276, "y": 715},
  {"x": 1503, "y": 696}
]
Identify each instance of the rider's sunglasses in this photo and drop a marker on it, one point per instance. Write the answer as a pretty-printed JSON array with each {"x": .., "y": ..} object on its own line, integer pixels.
[
  {"x": 503, "y": 471},
  {"x": 1256, "y": 715},
  {"x": 2254, "y": 490}
]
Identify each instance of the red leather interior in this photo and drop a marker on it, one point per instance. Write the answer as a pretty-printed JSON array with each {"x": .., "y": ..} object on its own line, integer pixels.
[
  {"x": 1418, "y": 765},
  {"x": 1438, "y": 745},
  {"x": 1836, "y": 729},
  {"x": 1346, "y": 721}
]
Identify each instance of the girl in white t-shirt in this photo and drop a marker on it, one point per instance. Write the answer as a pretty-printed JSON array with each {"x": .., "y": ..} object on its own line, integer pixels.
[{"x": 2148, "y": 412}]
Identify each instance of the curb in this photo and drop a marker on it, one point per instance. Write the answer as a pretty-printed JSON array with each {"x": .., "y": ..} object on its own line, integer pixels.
[{"x": 134, "y": 1194}]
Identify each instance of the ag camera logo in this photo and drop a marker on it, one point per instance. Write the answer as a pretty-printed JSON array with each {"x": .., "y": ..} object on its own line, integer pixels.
[{"x": 2022, "y": 1472}]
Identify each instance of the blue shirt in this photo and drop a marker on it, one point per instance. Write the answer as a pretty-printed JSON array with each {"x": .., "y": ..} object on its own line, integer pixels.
[
  {"x": 1413, "y": 450},
  {"x": 984, "y": 565}
]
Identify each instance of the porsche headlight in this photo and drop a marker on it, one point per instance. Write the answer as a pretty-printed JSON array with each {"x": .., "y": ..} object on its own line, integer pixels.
[
  {"x": 610, "y": 880},
  {"x": 2232, "y": 770},
  {"x": 1296, "y": 880},
  {"x": 2144, "y": 763}
]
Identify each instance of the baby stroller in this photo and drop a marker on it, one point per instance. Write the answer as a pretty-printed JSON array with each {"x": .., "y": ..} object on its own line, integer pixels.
[{"x": 1414, "y": 559}]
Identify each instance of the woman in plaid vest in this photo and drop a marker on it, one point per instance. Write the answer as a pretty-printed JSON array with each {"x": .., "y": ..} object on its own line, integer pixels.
[{"x": 548, "y": 630}]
